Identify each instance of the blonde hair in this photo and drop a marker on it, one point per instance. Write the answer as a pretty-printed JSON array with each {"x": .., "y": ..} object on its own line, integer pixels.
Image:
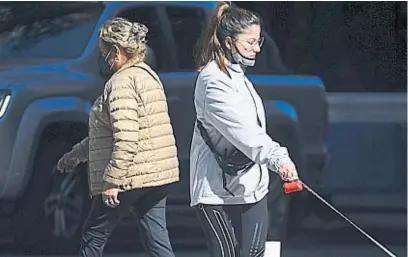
[{"x": 129, "y": 37}]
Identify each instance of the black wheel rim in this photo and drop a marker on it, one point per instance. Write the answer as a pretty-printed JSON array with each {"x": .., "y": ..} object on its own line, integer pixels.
[{"x": 63, "y": 206}]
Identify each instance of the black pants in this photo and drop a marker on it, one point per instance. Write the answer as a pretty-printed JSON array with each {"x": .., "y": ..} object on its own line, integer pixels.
[
  {"x": 149, "y": 206},
  {"x": 235, "y": 230}
]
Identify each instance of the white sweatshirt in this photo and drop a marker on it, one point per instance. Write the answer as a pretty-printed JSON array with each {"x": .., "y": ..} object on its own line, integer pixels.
[{"x": 229, "y": 114}]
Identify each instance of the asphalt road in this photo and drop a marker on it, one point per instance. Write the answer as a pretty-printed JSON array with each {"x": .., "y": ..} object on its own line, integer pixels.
[
  {"x": 317, "y": 239},
  {"x": 310, "y": 251}
]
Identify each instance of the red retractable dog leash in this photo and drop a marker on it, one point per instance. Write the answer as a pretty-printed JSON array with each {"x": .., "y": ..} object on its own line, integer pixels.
[{"x": 298, "y": 185}]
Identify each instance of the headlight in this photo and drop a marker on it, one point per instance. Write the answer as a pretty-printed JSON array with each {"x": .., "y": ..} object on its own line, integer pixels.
[{"x": 4, "y": 103}]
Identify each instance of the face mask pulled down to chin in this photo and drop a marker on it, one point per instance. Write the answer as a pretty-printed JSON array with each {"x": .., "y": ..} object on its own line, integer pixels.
[{"x": 241, "y": 59}]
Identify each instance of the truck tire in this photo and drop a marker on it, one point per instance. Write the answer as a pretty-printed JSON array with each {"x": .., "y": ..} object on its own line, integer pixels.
[
  {"x": 54, "y": 206},
  {"x": 286, "y": 212}
]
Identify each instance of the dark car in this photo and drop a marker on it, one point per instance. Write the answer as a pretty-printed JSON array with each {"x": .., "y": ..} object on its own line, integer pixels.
[{"x": 49, "y": 78}]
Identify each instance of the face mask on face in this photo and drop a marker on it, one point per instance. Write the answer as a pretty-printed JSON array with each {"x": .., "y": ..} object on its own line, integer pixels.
[{"x": 105, "y": 68}]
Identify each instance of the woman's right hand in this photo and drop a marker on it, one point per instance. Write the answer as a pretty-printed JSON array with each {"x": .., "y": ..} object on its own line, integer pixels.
[
  {"x": 288, "y": 172},
  {"x": 67, "y": 163}
]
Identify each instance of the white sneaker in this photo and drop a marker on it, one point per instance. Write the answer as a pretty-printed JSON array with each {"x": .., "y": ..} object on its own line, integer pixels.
[{"x": 273, "y": 249}]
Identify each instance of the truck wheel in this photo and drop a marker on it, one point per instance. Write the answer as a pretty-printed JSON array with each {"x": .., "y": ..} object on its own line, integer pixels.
[
  {"x": 286, "y": 212},
  {"x": 55, "y": 205}
]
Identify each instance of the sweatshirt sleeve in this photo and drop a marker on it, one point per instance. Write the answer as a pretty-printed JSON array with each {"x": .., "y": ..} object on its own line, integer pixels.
[
  {"x": 123, "y": 108},
  {"x": 223, "y": 110}
]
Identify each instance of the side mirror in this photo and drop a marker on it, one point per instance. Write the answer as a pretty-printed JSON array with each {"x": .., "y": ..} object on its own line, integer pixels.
[{"x": 150, "y": 58}]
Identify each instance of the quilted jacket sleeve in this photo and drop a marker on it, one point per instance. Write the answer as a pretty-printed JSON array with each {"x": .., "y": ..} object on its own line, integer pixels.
[
  {"x": 122, "y": 101},
  {"x": 80, "y": 150}
]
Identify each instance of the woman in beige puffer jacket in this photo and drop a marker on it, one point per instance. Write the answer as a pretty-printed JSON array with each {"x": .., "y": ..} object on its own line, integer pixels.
[{"x": 131, "y": 147}]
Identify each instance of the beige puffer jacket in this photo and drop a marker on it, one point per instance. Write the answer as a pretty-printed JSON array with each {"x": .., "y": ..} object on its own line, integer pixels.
[{"x": 131, "y": 142}]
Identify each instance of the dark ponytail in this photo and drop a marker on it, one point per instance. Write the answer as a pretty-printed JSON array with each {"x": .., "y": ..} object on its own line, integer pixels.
[
  {"x": 210, "y": 47},
  {"x": 228, "y": 21}
]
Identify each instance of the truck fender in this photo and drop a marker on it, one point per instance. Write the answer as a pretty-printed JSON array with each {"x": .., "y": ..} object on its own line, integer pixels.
[
  {"x": 282, "y": 108},
  {"x": 288, "y": 210},
  {"x": 283, "y": 126},
  {"x": 36, "y": 117}
]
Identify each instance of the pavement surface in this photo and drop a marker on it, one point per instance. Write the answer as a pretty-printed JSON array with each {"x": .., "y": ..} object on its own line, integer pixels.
[
  {"x": 332, "y": 251},
  {"x": 317, "y": 239},
  {"x": 327, "y": 236}
]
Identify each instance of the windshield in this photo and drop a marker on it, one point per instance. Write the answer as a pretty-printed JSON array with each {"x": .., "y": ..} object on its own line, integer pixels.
[{"x": 46, "y": 29}]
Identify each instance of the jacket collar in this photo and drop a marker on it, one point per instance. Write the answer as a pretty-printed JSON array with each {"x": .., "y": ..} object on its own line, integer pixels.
[{"x": 235, "y": 69}]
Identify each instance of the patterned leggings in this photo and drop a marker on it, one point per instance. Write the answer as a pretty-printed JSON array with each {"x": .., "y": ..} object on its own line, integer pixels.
[{"x": 235, "y": 230}]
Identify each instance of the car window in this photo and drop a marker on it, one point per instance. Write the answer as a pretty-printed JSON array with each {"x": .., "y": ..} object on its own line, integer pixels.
[
  {"x": 148, "y": 16},
  {"x": 41, "y": 29},
  {"x": 187, "y": 24}
]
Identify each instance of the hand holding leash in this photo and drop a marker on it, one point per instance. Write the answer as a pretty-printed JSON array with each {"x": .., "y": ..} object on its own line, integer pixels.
[{"x": 288, "y": 172}]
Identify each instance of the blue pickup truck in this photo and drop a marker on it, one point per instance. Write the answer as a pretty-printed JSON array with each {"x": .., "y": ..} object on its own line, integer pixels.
[{"x": 49, "y": 78}]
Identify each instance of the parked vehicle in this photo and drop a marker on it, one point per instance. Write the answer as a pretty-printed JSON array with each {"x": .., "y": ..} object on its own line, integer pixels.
[{"x": 49, "y": 78}]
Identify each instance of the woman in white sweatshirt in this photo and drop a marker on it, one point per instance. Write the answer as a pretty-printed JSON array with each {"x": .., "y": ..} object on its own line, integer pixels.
[{"x": 231, "y": 152}]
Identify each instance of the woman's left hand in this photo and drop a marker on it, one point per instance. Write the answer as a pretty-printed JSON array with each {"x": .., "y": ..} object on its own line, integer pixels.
[{"x": 110, "y": 196}]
